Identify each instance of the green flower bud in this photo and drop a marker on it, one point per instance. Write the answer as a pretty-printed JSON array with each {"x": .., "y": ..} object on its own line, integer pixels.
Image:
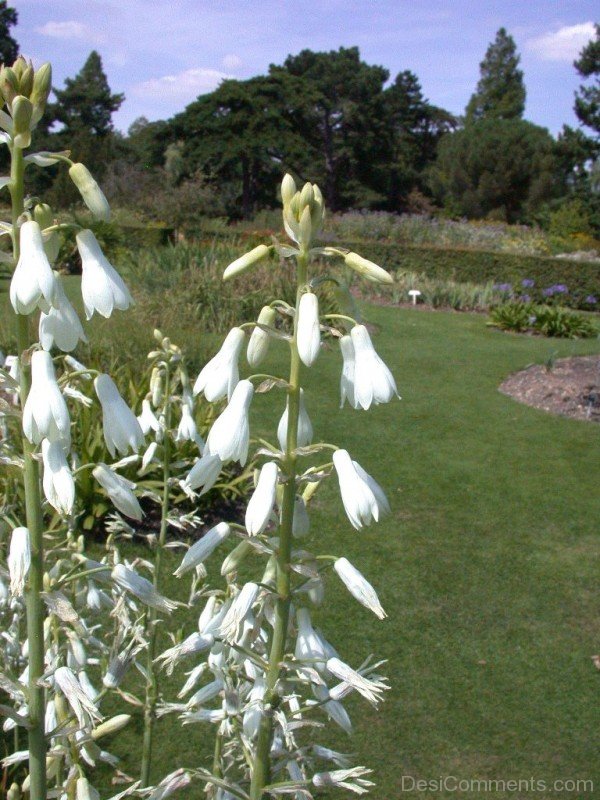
[
  {"x": 9, "y": 84},
  {"x": 288, "y": 188},
  {"x": 91, "y": 194},
  {"x": 19, "y": 66},
  {"x": 42, "y": 214},
  {"x": 235, "y": 558},
  {"x": 306, "y": 195},
  {"x": 246, "y": 261},
  {"x": 26, "y": 81},
  {"x": 318, "y": 210},
  {"x": 21, "y": 114},
  {"x": 14, "y": 793},
  {"x": 306, "y": 227},
  {"x": 111, "y": 725},
  {"x": 42, "y": 85},
  {"x": 367, "y": 268}
]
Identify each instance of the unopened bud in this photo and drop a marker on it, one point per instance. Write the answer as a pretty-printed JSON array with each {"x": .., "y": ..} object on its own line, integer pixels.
[
  {"x": 288, "y": 188},
  {"x": 318, "y": 210},
  {"x": 42, "y": 214},
  {"x": 9, "y": 84},
  {"x": 157, "y": 335},
  {"x": 111, "y": 725},
  {"x": 270, "y": 573},
  {"x": 367, "y": 268},
  {"x": 156, "y": 387},
  {"x": 14, "y": 793},
  {"x": 235, "y": 558},
  {"x": 42, "y": 85},
  {"x": 306, "y": 227},
  {"x": 246, "y": 261},
  {"x": 258, "y": 345},
  {"x": 91, "y": 194},
  {"x": 306, "y": 195},
  {"x": 21, "y": 114},
  {"x": 19, "y": 66},
  {"x": 85, "y": 791}
]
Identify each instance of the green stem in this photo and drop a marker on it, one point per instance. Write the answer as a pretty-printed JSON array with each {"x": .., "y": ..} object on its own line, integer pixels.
[
  {"x": 34, "y": 518},
  {"x": 261, "y": 774},
  {"x": 152, "y": 685}
]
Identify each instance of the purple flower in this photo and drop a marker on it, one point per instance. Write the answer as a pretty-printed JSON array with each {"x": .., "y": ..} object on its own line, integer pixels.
[
  {"x": 503, "y": 287},
  {"x": 591, "y": 300},
  {"x": 527, "y": 283},
  {"x": 560, "y": 288},
  {"x": 526, "y": 298},
  {"x": 548, "y": 292}
]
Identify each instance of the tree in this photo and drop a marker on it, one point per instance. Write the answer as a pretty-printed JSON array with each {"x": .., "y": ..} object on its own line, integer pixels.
[
  {"x": 335, "y": 107},
  {"x": 415, "y": 127},
  {"x": 86, "y": 104},
  {"x": 503, "y": 169},
  {"x": 9, "y": 49},
  {"x": 500, "y": 92},
  {"x": 587, "y": 98}
]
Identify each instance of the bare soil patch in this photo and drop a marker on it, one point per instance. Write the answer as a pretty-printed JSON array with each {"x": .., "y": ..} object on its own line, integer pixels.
[{"x": 570, "y": 387}]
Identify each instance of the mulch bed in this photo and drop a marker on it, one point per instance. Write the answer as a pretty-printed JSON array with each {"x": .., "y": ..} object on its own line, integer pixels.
[{"x": 570, "y": 387}]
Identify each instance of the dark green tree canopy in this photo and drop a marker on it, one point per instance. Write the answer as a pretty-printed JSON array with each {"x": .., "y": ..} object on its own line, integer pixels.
[
  {"x": 587, "y": 99},
  {"x": 86, "y": 104},
  {"x": 500, "y": 92},
  {"x": 9, "y": 49},
  {"x": 505, "y": 169}
]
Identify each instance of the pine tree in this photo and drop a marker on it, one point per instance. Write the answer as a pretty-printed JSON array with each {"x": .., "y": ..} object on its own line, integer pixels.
[
  {"x": 587, "y": 99},
  {"x": 9, "y": 49},
  {"x": 500, "y": 92},
  {"x": 86, "y": 104}
]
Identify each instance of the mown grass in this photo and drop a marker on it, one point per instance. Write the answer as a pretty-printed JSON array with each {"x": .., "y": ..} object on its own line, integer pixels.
[{"x": 487, "y": 566}]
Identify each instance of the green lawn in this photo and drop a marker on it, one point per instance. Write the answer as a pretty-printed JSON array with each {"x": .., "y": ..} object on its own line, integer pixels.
[{"x": 487, "y": 567}]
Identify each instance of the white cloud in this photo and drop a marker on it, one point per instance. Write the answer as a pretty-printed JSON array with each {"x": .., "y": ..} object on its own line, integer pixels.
[
  {"x": 565, "y": 44},
  {"x": 232, "y": 61},
  {"x": 185, "y": 86},
  {"x": 69, "y": 29}
]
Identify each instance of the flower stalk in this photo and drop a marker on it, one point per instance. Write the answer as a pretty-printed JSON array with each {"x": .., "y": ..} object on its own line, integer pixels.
[
  {"x": 152, "y": 684},
  {"x": 261, "y": 773},
  {"x": 34, "y": 518}
]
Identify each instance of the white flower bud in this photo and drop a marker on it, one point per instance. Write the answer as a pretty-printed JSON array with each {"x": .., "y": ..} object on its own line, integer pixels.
[
  {"x": 262, "y": 501},
  {"x": 259, "y": 339},
  {"x": 288, "y": 189},
  {"x": 359, "y": 587},
  {"x": 19, "y": 560},
  {"x": 119, "y": 490},
  {"x": 246, "y": 261},
  {"x": 367, "y": 268},
  {"x": 91, "y": 194},
  {"x": 308, "y": 330},
  {"x": 202, "y": 549}
]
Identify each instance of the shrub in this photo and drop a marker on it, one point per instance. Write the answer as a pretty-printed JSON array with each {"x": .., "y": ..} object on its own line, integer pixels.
[{"x": 548, "y": 320}]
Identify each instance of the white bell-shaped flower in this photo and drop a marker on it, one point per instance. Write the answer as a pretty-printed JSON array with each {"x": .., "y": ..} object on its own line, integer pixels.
[
  {"x": 61, "y": 325},
  {"x": 373, "y": 381},
  {"x": 308, "y": 329},
  {"x": 120, "y": 425},
  {"x": 229, "y": 436},
  {"x": 262, "y": 501},
  {"x": 45, "y": 415},
  {"x": 203, "y": 474},
  {"x": 359, "y": 587},
  {"x": 363, "y": 498},
  {"x": 201, "y": 549},
  {"x": 219, "y": 377},
  {"x": 147, "y": 419},
  {"x": 347, "y": 378},
  {"x": 58, "y": 483},
  {"x": 187, "y": 430},
  {"x": 120, "y": 491},
  {"x": 33, "y": 284},
  {"x": 102, "y": 288},
  {"x": 305, "y": 429},
  {"x": 19, "y": 560}
]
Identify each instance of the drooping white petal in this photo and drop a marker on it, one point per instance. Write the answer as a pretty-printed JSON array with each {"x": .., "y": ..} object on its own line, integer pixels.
[
  {"x": 61, "y": 325},
  {"x": 119, "y": 490},
  {"x": 201, "y": 549},
  {"x": 84, "y": 709},
  {"x": 45, "y": 415},
  {"x": 229, "y": 436},
  {"x": 351, "y": 779},
  {"x": 204, "y": 473},
  {"x": 141, "y": 588},
  {"x": 147, "y": 419},
  {"x": 19, "y": 560},
  {"x": 373, "y": 381},
  {"x": 58, "y": 483},
  {"x": 238, "y": 610},
  {"x": 305, "y": 429},
  {"x": 371, "y": 690},
  {"x": 308, "y": 330},
  {"x": 219, "y": 377},
  {"x": 187, "y": 430},
  {"x": 347, "y": 377},
  {"x": 102, "y": 287},
  {"x": 262, "y": 501},
  {"x": 33, "y": 284},
  {"x": 359, "y": 587},
  {"x": 120, "y": 425},
  {"x": 363, "y": 498}
]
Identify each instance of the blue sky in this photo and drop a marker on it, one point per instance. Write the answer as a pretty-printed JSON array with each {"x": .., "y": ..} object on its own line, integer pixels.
[{"x": 162, "y": 55}]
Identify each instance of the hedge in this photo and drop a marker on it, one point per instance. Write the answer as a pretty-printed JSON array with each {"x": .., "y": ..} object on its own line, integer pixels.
[{"x": 474, "y": 266}]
